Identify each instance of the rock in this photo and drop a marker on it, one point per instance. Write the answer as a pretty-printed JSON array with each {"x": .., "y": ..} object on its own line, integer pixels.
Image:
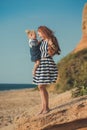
[
  {"x": 71, "y": 115},
  {"x": 84, "y": 20},
  {"x": 83, "y": 42}
]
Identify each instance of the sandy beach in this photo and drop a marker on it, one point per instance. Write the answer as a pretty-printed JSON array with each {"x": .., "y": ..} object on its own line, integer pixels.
[{"x": 16, "y": 102}]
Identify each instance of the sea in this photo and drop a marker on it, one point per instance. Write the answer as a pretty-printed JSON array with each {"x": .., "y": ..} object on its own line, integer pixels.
[{"x": 4, "y": 87}]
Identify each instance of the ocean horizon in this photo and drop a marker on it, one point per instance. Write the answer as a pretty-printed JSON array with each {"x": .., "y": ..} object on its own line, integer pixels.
[{"x": 8, "y": 86}]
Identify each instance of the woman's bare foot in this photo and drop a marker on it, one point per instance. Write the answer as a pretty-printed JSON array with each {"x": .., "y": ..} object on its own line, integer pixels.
[
  {"x": 46, "y": 111},
  {"x": 40, "y": 112}
]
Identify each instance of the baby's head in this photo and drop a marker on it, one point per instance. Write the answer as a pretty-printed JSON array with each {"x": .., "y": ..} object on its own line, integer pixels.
[{"x": 31, "y": 34}]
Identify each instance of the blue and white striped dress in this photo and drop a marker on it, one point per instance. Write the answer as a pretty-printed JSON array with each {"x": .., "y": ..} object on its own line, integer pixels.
[{"x": 47, "y": 71}]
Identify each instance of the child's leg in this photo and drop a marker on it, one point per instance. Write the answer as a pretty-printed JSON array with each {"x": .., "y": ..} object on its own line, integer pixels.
[{"x": 35, "y": 66}]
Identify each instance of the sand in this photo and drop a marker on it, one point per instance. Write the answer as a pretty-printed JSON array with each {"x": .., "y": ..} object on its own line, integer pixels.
[{"x": 16, "y": 102}]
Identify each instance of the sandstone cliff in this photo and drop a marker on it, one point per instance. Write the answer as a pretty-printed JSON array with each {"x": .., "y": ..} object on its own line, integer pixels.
[{"x": 83, "y": 42}]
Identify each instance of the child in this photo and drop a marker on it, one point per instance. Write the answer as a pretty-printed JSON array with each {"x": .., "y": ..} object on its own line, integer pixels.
[{"x": 34, "y": 49}]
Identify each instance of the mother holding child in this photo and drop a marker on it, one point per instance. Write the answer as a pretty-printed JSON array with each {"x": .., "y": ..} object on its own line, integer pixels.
[{"x": 45, "y": 70}]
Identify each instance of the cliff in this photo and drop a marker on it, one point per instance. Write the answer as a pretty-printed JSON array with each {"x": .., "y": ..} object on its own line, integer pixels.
[{"x": 83, "y": 42}]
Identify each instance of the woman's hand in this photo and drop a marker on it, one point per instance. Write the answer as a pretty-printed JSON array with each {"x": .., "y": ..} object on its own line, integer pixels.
[
  {"x": 51, "y": 48},
  {"x": 51, "y": 51}
]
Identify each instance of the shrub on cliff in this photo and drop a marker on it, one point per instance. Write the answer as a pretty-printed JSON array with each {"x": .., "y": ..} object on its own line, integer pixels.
[{"x": 72, "y": 71}]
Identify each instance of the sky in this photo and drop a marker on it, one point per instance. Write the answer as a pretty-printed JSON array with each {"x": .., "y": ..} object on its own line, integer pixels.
[{"x": 64, "y": 17}]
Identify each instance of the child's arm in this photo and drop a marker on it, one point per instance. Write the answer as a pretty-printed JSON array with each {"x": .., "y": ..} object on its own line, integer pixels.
[
  {"x": 33, "y": 42},
  {"x": 39, "y": 42}
]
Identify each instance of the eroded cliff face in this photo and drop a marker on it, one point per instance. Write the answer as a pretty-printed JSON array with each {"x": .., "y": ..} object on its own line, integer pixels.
[
  {"x": 83, "y": 42},
  {"x": 84, "y": 20}
]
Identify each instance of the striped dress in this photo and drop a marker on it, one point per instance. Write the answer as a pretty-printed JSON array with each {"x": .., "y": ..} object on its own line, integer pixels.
[{"x": 47, "y": 70}]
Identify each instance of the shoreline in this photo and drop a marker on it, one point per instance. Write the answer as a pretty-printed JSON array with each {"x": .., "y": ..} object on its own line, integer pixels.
[
  {"x": 19, "y": 89},
  {"x": 7, "y": 87}
]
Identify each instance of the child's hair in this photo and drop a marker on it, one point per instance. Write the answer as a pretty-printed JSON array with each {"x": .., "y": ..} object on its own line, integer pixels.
[
  {"x": 49, "y": 34},
  {"x": 30, "y": 32}
]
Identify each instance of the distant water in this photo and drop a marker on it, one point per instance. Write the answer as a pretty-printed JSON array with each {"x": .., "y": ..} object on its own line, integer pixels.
[{"x": 15, "y": 86}]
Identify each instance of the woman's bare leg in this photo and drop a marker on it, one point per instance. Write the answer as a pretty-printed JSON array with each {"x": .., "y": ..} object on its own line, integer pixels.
[{"x": 44, "y": 98}]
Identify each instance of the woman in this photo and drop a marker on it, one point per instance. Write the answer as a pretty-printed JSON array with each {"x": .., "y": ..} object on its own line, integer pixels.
[{"x": 47, "y": 71}]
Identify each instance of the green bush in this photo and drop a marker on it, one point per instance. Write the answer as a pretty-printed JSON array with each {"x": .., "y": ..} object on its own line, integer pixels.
[
  {"x": 79, "y": 91},
  {"x": 72, "y": 71}
]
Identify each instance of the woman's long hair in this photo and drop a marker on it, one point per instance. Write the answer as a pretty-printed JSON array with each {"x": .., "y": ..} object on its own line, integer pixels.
[{"x": 49, "y": 34}]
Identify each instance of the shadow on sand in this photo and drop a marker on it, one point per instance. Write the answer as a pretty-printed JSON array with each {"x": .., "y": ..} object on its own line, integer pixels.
[{"x": 75, "y": 125}]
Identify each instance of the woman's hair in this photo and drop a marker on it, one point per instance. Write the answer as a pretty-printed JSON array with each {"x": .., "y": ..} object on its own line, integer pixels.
[{"x": 49, "y": 34}]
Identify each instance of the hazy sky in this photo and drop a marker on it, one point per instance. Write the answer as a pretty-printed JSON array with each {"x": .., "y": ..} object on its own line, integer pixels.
[{"x": 64, "y": 17}]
